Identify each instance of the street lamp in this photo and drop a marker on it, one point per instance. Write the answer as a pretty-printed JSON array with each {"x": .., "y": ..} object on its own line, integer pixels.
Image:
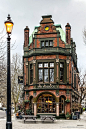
[{"x": 9, "y": 25}]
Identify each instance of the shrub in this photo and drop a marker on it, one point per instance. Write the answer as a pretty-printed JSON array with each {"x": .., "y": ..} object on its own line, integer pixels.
[
  {"x": 28, "y": 111},
  {"x": 67, "y": 115}
]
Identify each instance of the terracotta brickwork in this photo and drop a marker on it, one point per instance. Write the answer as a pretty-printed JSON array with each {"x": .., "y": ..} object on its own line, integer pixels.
[
  {"x": 46, "y": 57},
  {"x": 30, "y": 59},
  {"x": 26, "y": 36},
  {"x": 55, "y": 43},
  {"x": 47, "y": 35},
  {"x": 61, "y": 43},
  {"x": 62, "y": 57}
]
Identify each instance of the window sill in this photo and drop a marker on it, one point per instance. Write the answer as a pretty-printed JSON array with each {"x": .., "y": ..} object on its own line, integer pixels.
[{"x": 46, "y": 83}]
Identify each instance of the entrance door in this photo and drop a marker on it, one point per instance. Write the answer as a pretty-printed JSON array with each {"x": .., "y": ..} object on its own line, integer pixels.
[
  {"x": 46, "y": 104},
  {"x": 62, "y": 104}
]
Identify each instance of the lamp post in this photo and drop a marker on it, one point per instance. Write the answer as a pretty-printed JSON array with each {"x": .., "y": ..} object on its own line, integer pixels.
[{"x": 9, "y": 25}]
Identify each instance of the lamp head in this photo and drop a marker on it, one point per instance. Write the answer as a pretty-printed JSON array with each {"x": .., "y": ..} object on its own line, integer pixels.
[{"x": 8, "y": 24}]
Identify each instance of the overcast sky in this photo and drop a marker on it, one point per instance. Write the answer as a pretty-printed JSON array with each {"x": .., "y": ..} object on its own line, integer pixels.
[{"x": 28, "y": 13}]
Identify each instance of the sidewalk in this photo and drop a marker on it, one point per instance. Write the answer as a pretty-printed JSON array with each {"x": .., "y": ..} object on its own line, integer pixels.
[{"x": 58, "y": 124}]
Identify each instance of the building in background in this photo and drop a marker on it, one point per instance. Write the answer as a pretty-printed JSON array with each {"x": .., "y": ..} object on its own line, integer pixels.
[{"x": 50, "y": 69}]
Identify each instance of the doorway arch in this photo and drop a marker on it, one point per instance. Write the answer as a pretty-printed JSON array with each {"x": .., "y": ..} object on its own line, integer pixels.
[{"x": 46, "y": 103}]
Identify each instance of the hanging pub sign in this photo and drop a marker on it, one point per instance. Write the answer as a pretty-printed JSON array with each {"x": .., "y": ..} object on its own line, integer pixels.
[{"x": 20, "y": 79}]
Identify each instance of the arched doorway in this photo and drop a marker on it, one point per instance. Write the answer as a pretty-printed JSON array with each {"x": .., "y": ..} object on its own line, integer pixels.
[
  {"x": 62, "y": 104},
  {"x": 46, "y": 103}
]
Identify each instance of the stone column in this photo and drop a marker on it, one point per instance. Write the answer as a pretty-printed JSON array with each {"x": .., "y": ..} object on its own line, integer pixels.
[
  {"x": 57, "y": 109},
  {"x": 57, "y": 76},
  {"x": 35, "y": 109}
]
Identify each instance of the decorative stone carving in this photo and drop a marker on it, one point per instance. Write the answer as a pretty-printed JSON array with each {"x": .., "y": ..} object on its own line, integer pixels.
[
  {"x": 34, "y": 61},
  {"x": 67, "y": 61},
  {"x": 39, "y": 86},
  {"x": 26, "y": 63},
  {"x": 57, "y": 60}
]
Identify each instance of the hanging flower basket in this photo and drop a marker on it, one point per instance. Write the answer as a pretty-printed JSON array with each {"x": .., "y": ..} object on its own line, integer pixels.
[
  {"x": 67, "y": 100},
  {"x": 26, "y": 101}
]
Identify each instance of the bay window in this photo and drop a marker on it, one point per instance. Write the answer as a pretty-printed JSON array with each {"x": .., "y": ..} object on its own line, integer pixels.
[{"x": 46, "y": 72}]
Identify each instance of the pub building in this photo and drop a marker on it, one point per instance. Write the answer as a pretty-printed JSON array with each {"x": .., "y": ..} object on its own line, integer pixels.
[{"x": 50, "y": 69}]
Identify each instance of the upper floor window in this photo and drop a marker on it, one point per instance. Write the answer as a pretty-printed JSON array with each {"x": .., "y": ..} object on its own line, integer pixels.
[
  {"x": 46, "y": 72},
  {"x": 31, "y": 73},
  {"x": 61, "y": 71},
  {"x": 47, "y": 43}
]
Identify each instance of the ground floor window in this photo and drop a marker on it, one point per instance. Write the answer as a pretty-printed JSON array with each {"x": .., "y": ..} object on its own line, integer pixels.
[
  {"x": 62, "y": 104},
  {"x": 46, "y": 104}
]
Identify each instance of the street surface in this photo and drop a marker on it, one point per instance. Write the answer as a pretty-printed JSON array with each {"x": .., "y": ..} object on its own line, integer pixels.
[
  {"x": 58, "y": 124},
  {"x": 3, "y": 113}
]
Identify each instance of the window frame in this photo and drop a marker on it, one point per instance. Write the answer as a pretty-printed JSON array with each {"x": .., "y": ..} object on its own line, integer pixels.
[
  {"x": 31, "y": 69},
  {"x": 48, "y": 71},
  {"x": 64, "y": 72},
  {"x": 45, "y": 43}
]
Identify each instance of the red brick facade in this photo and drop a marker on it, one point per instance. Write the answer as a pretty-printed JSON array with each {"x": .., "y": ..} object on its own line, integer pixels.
[{"x": 60, "y": 53}]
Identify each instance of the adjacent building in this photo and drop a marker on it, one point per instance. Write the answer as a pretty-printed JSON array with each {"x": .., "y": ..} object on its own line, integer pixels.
[{"x": 50, "y": 69}]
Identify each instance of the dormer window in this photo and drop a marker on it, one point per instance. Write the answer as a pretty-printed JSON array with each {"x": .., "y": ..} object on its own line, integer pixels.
[
  {"x": 42, "y": 43},
  {"x": 47, "y": 43},
  {"x": 50, "y": 43}
]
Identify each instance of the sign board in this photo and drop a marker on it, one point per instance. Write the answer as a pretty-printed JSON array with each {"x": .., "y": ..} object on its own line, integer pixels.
[{"x": 20, "y": 79}]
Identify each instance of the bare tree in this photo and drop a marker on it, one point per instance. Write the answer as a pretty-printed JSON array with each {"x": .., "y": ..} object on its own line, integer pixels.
[
  {"x": 3, "y": 69},
  {"x": 17, "y": 70},
  {"x": 82, "y": 87},
  {"x": 84, "y": 35}
]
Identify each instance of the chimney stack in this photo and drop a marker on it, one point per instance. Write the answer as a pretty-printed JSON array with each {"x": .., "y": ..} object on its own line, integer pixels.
[
  {"x": 26, "y": 36},
  {"x": 68, "y": 33}
]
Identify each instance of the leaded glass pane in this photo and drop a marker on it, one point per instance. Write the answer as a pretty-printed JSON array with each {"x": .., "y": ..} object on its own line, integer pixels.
[
  {"x": 51, "y": 64},
  {"x": 40, "y": 75},
  {"x": 51, "y": 75},
  {"x": 45, "y": 64},
  {"x": 46, "y": 104},
  {"x": 61, "y": 71},
  {"x": 40, "y": 65},
  {"x": 51, "y": 43},
  {"x": 46, "y": 75},
  {"x": 61, "y": 65},
  {"x": 42, "y": 43},
  {"x": 46, "y": 43}
]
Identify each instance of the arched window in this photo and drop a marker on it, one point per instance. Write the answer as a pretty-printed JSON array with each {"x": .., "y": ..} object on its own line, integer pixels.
[{"x": 46, "y": 104}]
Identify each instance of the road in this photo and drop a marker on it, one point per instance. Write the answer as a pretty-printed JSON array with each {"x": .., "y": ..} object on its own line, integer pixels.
[{"x": 2, "y": 114}]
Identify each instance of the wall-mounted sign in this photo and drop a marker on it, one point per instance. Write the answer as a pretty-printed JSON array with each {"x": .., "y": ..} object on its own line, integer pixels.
[{"x": 20, "y": 79}]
